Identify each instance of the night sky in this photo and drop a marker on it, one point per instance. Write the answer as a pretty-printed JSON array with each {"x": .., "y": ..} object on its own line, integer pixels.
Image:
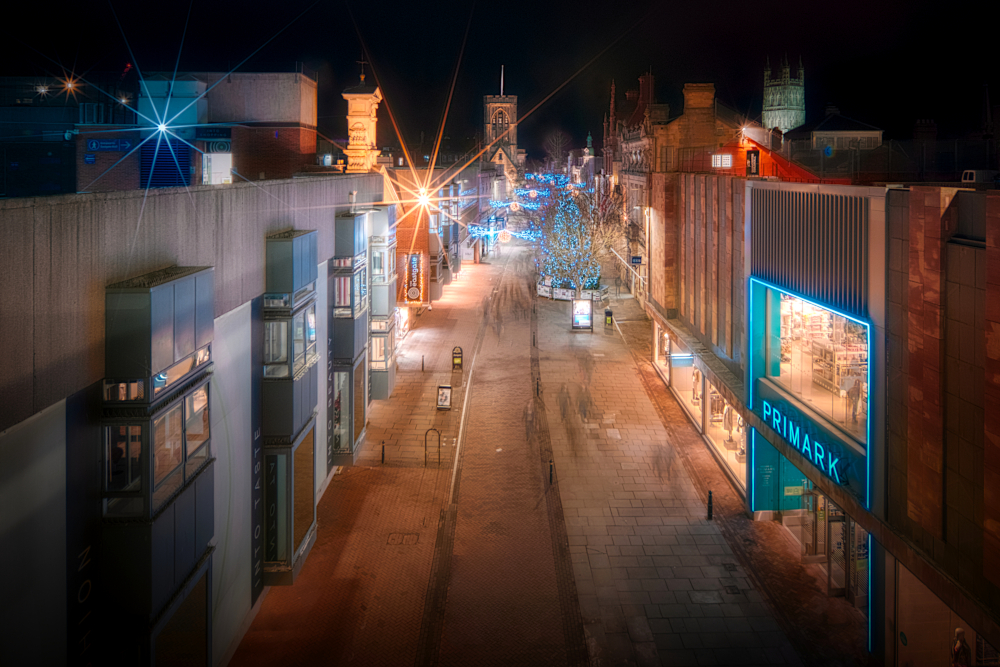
[{"x": 885, "y": 63}]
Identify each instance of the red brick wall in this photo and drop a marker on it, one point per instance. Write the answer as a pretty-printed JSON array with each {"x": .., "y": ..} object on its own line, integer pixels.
[
  {"x": 925, "y": 418},
  {"x": 274, "y": 152},
  {"x": 124, "y": 176},
  {"x": 991, "y": 444}
]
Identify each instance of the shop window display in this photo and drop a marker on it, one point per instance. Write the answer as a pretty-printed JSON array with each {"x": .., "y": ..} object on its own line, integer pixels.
[
  {"x": 727, "y": 432},
  {"x": 824, "y": 362},
  {"x": 661, "y": 352},
  {"x": 687, "y": 384}
]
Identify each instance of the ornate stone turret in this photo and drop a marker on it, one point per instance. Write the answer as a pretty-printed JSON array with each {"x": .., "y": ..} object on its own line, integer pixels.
[
  {"x": 362, "y": 119},
  {"x": 784, "y": 97}
]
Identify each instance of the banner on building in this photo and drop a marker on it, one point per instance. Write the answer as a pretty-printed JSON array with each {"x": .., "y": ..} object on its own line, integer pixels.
[
  {"x": 414, "y": 279},
  {"x": 753, "y": 163}
]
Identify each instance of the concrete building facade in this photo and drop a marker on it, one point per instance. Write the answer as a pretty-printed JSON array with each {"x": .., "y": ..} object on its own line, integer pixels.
[{"x": 65, "y": 259}]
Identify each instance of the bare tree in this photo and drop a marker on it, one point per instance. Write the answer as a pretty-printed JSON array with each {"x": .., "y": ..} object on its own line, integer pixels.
[{"x": 555, "y": 146}]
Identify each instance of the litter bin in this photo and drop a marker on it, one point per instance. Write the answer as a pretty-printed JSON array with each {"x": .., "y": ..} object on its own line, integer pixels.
[{"x": 608, "y": 315}]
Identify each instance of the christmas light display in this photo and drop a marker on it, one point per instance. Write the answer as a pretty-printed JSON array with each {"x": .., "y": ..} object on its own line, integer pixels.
[{"x": 567, "y": 253}]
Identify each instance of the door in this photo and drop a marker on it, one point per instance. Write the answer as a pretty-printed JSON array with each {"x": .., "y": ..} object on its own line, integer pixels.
[
  {"x": 837, "y": 538},
  {"x": 814, "y": 528}
]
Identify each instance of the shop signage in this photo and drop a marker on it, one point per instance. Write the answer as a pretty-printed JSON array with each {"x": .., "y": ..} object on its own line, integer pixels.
[
  {"x": 841, "y": 461},
  {"x": 544, "y": 290},
  {"x": 637, "y": 259},
  {"x": 213, "y": 133},
  {"x": 108, "y": 144},
  {"x": 89, "y": 158},
  {"x": 753, "y": 163},
  {"x": 583, "y": 314},
  {"x": 414, "y": 278},
  {"x": 796, "y": 434}
]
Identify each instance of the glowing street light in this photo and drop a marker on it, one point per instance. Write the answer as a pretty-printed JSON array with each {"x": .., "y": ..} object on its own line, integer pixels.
[{"x": 423, "y": 199}]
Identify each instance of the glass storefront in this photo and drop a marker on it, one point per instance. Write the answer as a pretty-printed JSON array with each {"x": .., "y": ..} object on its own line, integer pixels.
[
  {"x": 823, "y": 361},
  {"x": 726, "y": 431},
  {"x": 661, "y": 352},
  {"x": 686, "y": 380}
]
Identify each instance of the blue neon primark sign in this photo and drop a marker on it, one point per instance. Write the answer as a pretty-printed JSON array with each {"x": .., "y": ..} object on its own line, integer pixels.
[{"x": 797, "y": 435}]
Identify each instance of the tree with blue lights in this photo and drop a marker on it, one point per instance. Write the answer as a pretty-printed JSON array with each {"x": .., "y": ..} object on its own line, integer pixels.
[{"x": 579, "y": 228}]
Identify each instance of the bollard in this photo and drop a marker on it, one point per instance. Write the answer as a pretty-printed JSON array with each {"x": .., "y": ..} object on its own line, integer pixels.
[
  {"x": 533, "y": 339},
  {"x": 421, "y": 363},
  {"x": 709, "y": 505},
  {"x": 383, "y": 452},
  {"x": 550, "y": 471}
]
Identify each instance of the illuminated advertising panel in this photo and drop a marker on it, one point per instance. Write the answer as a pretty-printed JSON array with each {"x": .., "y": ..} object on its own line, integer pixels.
[{"x": 583, "y": 314}]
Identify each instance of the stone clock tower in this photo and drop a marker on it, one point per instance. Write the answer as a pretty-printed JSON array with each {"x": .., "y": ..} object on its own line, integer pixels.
[{"x": 362, "y": 106}]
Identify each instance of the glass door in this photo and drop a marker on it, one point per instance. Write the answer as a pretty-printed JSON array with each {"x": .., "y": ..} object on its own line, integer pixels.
[
  {"x": 814, "y": 526},
  {"x": 857, "y": 592},
  {"x": 837, "y": 538}
]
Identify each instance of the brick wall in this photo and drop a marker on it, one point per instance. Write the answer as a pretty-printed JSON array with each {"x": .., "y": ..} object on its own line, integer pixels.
[
  {"x": 990, "y": 333},
  {"x": 928, "y": 214},
  {"x": 942, "y": 325},
  {"x": 274, "y": 152},
  {"x": 103, "y": 175},
  {"x": 664, "y": 241},
  {"x": 709, "y": 260}
]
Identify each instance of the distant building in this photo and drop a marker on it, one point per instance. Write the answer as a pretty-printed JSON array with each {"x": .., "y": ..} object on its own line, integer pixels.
[
  {"x": 784, "y": 98},
  {"x": 500, "y": 135},
  {"x": 836, "y": 132}
]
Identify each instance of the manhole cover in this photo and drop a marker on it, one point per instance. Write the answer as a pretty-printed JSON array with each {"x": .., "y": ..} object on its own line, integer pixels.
[
  {"x": 403, "y": 538},
  {"x": 733, "y": 590},
  {"x": 730, "y": 567}
]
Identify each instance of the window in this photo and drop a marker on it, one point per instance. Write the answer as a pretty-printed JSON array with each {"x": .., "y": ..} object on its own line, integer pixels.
[
  {"x": 378, "y": 361},
  {"x": 299, "y": 339},
  {"x": 123, "y": 452},
  {"x": 342, "y": 297},
  {"x": 196, "y": 429},
  {"x": 275, "y": 349},
  {"x": 124, "y": 391},
  {"x": 377, "y": 269},
  {"x": 722, "y": 160},
  {"x": 823, "y": 361},
  {"x": 179, "y": 370},
  {"x": 168, "y": 437},
  {"x": 310, "y": 334}
]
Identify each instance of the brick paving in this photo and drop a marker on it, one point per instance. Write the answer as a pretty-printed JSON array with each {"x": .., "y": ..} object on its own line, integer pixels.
[
  {"x": 825, "y": 631},
  {"x": 614, "y": 564},
  {"x": 657, "y": 582}
]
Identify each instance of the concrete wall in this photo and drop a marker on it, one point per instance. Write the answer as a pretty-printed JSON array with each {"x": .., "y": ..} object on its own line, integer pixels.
[
  {"x": 231, "y": 446},
  {"x": 33, "y": 559},
  {"x": 57, "y": 254}
]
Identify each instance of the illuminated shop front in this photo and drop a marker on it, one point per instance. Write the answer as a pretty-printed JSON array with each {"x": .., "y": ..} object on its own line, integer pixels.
[
  {"x": 719, "y": 420},
  {"x": 809, "y": 382}
]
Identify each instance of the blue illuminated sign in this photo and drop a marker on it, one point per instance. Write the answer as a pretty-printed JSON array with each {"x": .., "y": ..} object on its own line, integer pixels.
[{"x": 822, "y": 456}]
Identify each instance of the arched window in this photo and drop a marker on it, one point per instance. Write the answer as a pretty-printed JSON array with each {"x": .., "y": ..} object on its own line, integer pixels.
[{"x": 500, "y": 124}]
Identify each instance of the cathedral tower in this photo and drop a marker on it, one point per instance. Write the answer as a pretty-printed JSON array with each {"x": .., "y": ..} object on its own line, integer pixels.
[{"x": 784, "y": 98}]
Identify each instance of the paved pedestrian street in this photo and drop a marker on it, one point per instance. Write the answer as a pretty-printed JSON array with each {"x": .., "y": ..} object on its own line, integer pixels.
[{"x": 479, "y": 560}]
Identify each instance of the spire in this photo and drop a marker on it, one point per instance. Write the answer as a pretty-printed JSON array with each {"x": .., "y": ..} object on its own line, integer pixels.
[
  {"x": 362, "y": 62},
  {"x": 501, "y": 80}
]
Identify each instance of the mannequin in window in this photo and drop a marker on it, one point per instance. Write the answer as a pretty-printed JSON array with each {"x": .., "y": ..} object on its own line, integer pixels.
[
  {"x": 853, "y": 396},
  {"x": 696, "y": 386},
  {"x": 727, "y": 422},
  {"x": 961, "y": 654}
]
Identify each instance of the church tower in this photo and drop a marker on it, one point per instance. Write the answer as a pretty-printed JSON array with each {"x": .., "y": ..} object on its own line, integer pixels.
[
  {"x": 784, "y": 98},
  {"x": 500, "y": 132}
]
